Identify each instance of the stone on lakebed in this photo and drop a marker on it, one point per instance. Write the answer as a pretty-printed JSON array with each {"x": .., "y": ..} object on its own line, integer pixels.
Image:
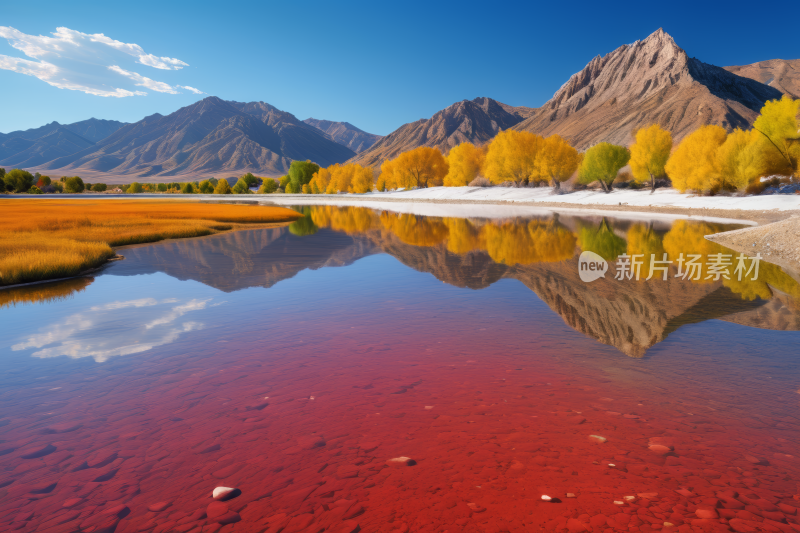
[
  {"x": 401, "y": 461},
  {"x": 224, "y": 494}
]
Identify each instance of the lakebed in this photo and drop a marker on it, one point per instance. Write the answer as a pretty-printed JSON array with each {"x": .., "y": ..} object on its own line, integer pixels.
[{"x": 294, "y": 363}]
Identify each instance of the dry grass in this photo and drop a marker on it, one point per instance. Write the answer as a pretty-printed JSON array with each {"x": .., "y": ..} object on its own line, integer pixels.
[
  {"x": 45, "y": 292},
  {"x": 50, "y": 239}
]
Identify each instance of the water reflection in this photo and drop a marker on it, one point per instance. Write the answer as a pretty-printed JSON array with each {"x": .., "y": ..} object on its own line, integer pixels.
[
  {"x": 631, "y": 315},
  {"x": 115, "y": 329}
]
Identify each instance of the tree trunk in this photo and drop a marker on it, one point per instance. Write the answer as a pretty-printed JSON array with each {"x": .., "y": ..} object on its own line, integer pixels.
[
  {"x": 556, "y": 184},
  {"x": 652, "y": 183}
]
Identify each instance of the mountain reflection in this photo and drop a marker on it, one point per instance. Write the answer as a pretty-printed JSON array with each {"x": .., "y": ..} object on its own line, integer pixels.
[{"x": 542, "y": 253}]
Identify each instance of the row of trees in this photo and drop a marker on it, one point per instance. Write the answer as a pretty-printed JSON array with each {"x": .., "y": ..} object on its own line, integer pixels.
[{"x": 707, "y": 160}]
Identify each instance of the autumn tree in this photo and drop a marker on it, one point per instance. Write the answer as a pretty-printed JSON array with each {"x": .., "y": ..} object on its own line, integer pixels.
[
  {"x": 778, "y": 125},
  {"x": 241, "y": 187},
  {"x": 693, "y": 165},
  {"x": 558, "y": 160},
  {"x": 421, "y": 167},
  {"x": 740, "y": 160},
  {"x": 514, "y": 156},
  {"x": 362, "y": 180},
  {"x": 602, "y": 162},
  {"x": 649, "y": 154},
  {"x": 223, "y": 187},
  {"x": 320, "y": 181},
  {"x": 464, "y": 164},
  {"x": 43, "y": 181},
  {"x": 134, "y": 188}
]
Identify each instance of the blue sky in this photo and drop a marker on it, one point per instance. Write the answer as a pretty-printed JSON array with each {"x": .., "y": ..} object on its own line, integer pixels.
[{"x": 377, "y": 65}]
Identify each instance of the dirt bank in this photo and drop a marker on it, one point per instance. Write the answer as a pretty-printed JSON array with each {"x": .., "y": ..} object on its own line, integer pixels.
[{"x": 778, "y": 242}]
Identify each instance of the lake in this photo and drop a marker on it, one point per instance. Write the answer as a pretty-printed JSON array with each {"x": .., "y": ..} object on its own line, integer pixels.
[{"x": 384, "y": 371}]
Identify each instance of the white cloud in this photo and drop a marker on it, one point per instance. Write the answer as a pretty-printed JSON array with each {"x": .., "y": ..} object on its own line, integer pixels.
[
  {"x": 87, "y": 62},
  {"x": 143, "y": 81},
  {"x": 191, "y": 89},
  {"x": 114, "y": 329}
]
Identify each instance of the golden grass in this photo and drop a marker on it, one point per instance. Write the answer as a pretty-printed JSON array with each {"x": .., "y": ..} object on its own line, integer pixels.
[
  {"x": 50, "y": 239},
  {"x": 46, "y": 292}
]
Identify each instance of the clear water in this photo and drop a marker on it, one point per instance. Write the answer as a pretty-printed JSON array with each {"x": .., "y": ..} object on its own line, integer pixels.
[{"x": 295, "y": 363}]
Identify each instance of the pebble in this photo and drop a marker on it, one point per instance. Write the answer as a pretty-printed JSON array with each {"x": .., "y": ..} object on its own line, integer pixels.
[
  {"x": 158, "y": 506},
  {"x": 756, "y": 460},
  {"x": 571, "y": 495},
  {"x": 598, "y": 438},
  {"x": 225, "y": 493},
  {"x": 401, "y": 461},
  {"x": 660, "y": 449},
  {"x": 216, "y": 509},
  {"x": 706, "y": 513}
]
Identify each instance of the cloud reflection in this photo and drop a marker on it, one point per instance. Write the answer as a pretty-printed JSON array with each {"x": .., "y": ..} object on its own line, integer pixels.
[{"x": 115, "y": 329}]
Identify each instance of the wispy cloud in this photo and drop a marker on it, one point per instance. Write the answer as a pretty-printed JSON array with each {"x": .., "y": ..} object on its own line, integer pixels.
[
  {"x": 87, "y": 62},
  {"x": 114, "y": 329}
]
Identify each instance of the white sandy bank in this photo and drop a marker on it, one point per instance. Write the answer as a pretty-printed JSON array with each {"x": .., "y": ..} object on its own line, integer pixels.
[{"x": 665, "y": 197}]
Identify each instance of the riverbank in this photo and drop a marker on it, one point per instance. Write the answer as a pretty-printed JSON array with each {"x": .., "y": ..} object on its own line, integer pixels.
[
  {"x": 778, "y": 242},
  {"x": 53, "y": 239}
]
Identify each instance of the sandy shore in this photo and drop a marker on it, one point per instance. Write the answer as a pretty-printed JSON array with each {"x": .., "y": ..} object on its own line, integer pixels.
[{"x": 778, "y": 242}]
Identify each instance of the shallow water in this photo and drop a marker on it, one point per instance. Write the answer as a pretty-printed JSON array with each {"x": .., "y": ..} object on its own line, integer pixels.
[{"x": 293, "y": 363}]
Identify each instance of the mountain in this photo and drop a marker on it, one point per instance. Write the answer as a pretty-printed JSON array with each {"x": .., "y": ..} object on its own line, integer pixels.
[
  {"x": 92, "y": 130},
  {"x": 649, "y": 81},
  {"x": 23, "y": 153},
  {"x": 37, "y": 146},
  {"x": 207, "y": 137},
  {"x": 345, "y": 134},
  {"x": 476, "y": 121},
  {"x": 782, "y": 74}
]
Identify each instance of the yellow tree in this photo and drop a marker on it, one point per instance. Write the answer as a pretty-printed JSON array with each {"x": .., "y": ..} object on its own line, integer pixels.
[
  {"x": 464, "y": 164},
  {"x": 514, "y": 156},
  {"x": 649, "y": 154},
  {"x": 361, "y": 181},
  {"x": 778, "y": 124},
  {"x": 693, "y": 165},
  {"x": 421, "y": 167},
  {"x": 740, "y": 159},
  {"x": 558, "y": 160},
  {"x": 386, "y": 179},
  {"x": 319, "y": 182}
]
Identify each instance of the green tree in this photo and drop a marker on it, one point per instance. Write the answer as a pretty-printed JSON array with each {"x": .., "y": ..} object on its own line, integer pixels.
[
  {"x": 241, "y": 187},
  {"x": 134, "y": 188},
  {"x": 303, "y": 226},
  {"x": 250, "y": 180},
  {"x": 99, "y": 187},
  {"x": 162, "y": 187},
  {"x": 284, "y": 181},
  {"x": 223, "y": 187},
  {"x": 18, "y": 180},
  {"x": 43, "y": 181},
  {"x": 602, "y": 162},
  {"x": 268, "y": 186},
  {"x": 206, "y": 187},
  {"x": 300, "y": 173},
  {"x": 34, "y": 190},
  {"x": 187, "y": 188},
  {"x": 602, "y": 241},
  {"x": 290, "y": 188},
  {"x": 74, "y": 185}
]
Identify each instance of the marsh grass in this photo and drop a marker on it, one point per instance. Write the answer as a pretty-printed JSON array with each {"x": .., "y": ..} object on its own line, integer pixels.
[
  {"x": 45, "y": 292},
  {"x": 51, "y": 239}
]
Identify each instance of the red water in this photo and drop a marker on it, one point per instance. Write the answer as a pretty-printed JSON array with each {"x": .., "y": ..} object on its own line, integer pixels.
[
  {"x": 495, "y": 416},
  {"x": 301, "y": 394}
]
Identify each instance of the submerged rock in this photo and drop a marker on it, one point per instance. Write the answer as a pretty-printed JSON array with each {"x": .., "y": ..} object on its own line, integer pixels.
[{"x": 224, "y": 494}]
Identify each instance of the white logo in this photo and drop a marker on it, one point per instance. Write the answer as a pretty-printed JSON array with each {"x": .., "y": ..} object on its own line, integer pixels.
[{"x": 591, "y": 266}]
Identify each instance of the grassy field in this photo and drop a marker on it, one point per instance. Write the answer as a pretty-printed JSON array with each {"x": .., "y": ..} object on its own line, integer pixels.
[{"x": 51, "y": 239}]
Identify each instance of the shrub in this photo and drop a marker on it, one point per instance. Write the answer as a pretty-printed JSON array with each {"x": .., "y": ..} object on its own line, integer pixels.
[
  {"x": 268, "y": 186},
  {"x": 99, "y": 187},
  {"x": 284, "y": 181},
  {"x": 34, "y": 190},
  {"x": 74, "y": 184},
  {"x": 18, "y": 180}
]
